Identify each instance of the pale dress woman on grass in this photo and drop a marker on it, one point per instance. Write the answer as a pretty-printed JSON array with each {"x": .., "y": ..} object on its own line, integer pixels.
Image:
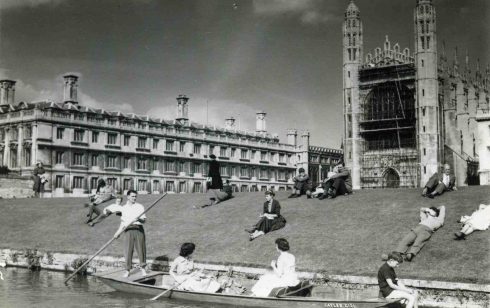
[
  {"x": 283, "y": 272},
  {"x": 479, "y": 220},
  {"x": 187, "y": 277}
]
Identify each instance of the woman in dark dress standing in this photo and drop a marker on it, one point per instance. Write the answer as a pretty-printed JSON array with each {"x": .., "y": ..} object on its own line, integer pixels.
[
  {"x": 214, "y": 181},
  {"x": 271, "y": 218}
]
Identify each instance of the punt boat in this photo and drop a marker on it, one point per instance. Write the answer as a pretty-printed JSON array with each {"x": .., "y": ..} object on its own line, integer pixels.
[{"x": 154, "y": 283}]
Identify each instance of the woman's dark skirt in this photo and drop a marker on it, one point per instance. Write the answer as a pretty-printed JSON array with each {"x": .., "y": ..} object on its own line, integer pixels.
[{"x": 267, "y": 225}]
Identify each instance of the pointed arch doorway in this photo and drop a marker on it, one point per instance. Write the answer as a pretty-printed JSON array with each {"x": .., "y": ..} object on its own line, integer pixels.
[{"x": 391, "y": 179}]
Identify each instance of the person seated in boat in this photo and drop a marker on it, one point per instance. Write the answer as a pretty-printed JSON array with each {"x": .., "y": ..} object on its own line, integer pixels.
[
  {"x": 302, "y": 184},
  {"x": 271, "y": 218},
  {"x": 187, "y": 277},
  {"x": 113, "y": 208},
  {"x": 283, "y": 272},
  {"x": 389, "y": 285},
  {"x": 479, "y": 220},
  {"x": 103, "y": 193}
]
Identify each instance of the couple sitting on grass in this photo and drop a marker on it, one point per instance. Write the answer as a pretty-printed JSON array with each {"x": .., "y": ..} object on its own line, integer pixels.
[
  {"x": 188, "y": 278},
  {"x": 338, "y": 183}
]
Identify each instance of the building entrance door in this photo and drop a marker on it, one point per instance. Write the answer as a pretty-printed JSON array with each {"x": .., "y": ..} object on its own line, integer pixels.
[{"x": 391, "y": 179}]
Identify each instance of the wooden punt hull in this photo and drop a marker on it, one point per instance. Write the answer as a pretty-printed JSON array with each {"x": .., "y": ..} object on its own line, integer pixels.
[{"x": 131, "y": 285}]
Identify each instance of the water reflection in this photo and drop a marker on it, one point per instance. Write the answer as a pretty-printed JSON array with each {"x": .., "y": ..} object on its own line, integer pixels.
[{"x": 23, "y": 288}]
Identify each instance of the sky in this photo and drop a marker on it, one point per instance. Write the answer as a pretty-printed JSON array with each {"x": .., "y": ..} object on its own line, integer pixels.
[{"x": 230, "y": 57}]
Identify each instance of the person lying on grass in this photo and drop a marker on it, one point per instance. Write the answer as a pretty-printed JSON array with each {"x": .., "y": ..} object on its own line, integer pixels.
[
  {"x": 431, "y": 219},
  {"x": 224, "y": 194},
  {"x": 283, "y": 272},
  {"x": 270, "y": 219},
  {"x": 479, "y": 220},
  {"x": 187, "y": 277},
  {"x": 389, "y": 285},
  {"x": 113, "y": 208}
]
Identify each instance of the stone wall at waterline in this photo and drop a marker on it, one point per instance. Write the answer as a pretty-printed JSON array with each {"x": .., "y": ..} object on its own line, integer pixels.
[{"x": 432, "y": 293}]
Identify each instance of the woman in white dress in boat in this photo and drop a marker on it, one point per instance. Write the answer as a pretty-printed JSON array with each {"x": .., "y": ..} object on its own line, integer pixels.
[
  {"x": 187, "y": 277},
  {"x": 283, "y": 274}
]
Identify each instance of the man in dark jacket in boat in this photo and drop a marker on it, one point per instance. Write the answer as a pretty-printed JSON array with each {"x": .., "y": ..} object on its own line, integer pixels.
[{"x": 389, "y": 285}]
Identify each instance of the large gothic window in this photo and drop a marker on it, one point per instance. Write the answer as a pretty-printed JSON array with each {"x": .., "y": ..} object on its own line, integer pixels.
[
  {"x": 389, "y": 117},
  {"x": 389, "y": 101}
]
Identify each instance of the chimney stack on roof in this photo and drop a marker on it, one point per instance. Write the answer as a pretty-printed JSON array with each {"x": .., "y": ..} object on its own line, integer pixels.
[
  {"x": 260, "y": 124},
  {"x": 70, "y": 88},
  {"x": 7, "y": 91},
  {"x": 230, "y": 123},
  {"x": 182, "y": 110}
]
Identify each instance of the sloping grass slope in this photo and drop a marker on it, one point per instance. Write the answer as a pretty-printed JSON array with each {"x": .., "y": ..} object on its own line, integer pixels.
[{"x": 342, "y": 236}]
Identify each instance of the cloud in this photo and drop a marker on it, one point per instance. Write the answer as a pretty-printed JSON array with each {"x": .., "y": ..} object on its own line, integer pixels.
[
  {"x": 7, "y": 4},
  {"x": 308, "y": 11},
  {"x": 51, "y": 90}
]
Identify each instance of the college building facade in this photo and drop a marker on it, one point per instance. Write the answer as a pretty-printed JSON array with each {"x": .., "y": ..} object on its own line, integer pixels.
[{"x": 79, "y": 145}]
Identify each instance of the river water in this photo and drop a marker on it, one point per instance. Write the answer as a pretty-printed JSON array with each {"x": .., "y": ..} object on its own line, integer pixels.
[{"x": 22, "y": 288}]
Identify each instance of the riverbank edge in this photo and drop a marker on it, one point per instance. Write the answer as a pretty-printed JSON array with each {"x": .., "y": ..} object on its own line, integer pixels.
[{"x": 434, "y": 293}]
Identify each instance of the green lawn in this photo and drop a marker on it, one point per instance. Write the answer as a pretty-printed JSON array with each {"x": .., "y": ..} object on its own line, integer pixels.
[{"x": 342, "y": 236}]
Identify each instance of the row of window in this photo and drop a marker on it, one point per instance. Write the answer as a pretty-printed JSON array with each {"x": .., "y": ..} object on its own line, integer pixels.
[
  {"x": 142, "y": 163},
  {"x": 14, "y": 133},
  {"x": 14, "y": 163},
  {"x": 171, "y": 145},
  {"x": 145, "y": 185}
]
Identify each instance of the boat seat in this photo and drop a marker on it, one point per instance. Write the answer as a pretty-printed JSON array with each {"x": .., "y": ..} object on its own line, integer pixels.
[{"x": 302, "y": 289}]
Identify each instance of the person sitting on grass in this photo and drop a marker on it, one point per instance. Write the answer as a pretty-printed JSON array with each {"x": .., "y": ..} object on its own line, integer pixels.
[
  {"x": 431, "y": 219},
  {"x": 103, "y": 193},
  {"x": 187, "y": 277},
  {"x": 302, "y": 184},
  {"x": 283, "y": 272},
  {"x": 113, "y": 208},
  {"x": 479, "y": 220},
  {"x": 224, "y": 194},
  {"x": 439, "y": 183},
  {"x": 389, "y": 285},
  {"x": 338, "y": 183},
  {"x": 271, "y": 218},
  {"x": 318, "y": 192}
]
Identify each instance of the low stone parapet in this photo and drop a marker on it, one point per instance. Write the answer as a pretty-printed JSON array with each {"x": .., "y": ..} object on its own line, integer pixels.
[{"x": 16, "y": 186}]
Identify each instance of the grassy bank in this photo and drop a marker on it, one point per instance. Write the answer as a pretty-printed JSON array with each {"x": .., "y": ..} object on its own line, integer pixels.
[{"x": 342, "y": 236}]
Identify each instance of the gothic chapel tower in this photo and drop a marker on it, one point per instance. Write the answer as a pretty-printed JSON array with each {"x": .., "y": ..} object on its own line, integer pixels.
[
  {"x": 352, "y": 59},
  {"x": 427, "y": 105}
]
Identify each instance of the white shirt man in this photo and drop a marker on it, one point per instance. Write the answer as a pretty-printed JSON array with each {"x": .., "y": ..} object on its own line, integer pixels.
[{"x": 135, "y": 234}]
